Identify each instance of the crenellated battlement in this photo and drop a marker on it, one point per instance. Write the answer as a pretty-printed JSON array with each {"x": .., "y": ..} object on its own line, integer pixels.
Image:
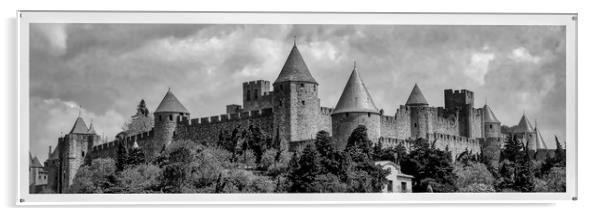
[
  {"x": 326, "y": 110},
  {"x": 388, "y": 119},
  {"x": 130, "y": 139},
  {"x": 452, "y": 138},
  {"x": 227, "y": 117}
]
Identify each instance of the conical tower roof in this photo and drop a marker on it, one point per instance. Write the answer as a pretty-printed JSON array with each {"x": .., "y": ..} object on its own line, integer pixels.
[
  {"x": 91, "y": 129},
  {"x": 295, "y": 69},
  {"x": 488, "y": 115},
  {"x": 524, "y": 126},
  {"x": 416, "y": 97},
  {"x": 171, "y": 104},
  {"x": 55, "y": 154},
  {"x": 79, "y": 127},
  {"x": 35, "y": 163},
  {"x": 540, "y": 142},
  {"x": 355, "y": 97}
]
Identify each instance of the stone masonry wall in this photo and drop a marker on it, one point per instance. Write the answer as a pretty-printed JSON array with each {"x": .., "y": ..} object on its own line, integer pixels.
[
  {"x": 476, "y": 125},
  {"x": 343, "y": 125},
  {"x": 207, "y": 130},
  {"x": 325, "y": 121},
  {"x": 455, "y": 144},
  {"x": 397, "y": 126},
  {"x": 257, "y": 95}
]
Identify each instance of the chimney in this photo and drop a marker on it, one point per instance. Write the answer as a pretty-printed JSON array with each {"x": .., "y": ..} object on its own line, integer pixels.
[{"x": 49, "y": 151}]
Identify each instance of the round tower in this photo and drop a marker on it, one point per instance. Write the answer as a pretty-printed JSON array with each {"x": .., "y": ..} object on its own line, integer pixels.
[
  {"x": 491, "y": 142},
  {"x": 296, "y": 105},
  {"x": 167, "y": 115},
  {"x": 491, "y": 125},
  {"x": 419, "y": 115},
  {"x": 355, "y": 107}
]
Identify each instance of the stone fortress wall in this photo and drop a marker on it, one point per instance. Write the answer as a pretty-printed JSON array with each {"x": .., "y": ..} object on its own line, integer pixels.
[{"x": 208, "y": 129}]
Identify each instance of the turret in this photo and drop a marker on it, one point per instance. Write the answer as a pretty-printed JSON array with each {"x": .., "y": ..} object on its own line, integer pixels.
[
  {"x": 491, "y": 125},
  {"x": 295, "y": 101},
  {"x": 419, "y": 117},
  {"x": 491, "y": 140},
  {"x": 416, "y": 97},
  {"x": 167, "y": 115},
  {"x": 355, "y": 107},
  {"x": 524, "y": 130}
]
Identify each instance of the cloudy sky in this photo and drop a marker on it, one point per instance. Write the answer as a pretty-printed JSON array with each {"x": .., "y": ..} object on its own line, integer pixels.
[{"x": 107, "y": 68}]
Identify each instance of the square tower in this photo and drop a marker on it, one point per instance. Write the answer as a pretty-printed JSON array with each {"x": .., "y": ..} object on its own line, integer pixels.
[
  {"x": 461, "y": 101},
  {"x": 256, "y": 95}
]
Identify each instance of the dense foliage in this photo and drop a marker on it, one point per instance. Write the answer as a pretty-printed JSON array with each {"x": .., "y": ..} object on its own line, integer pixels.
[{"x": 245, "y": 160}]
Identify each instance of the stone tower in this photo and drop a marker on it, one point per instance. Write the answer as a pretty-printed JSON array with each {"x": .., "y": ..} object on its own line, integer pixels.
[
  {"x": 492, "y": 137},
  {"x": 462, "y": 101},
  {"x": 70, "y": 153},
  {"x": 491, "y": 126},
  {"x": 525, "y": 132},
  {"x": 355, "y": 107},
  {"x": 254, "y": 95},
  {"x": 167, "y": 115},
  {"x": 419, "y": 117},
  {"x": 295, "y": 101}
]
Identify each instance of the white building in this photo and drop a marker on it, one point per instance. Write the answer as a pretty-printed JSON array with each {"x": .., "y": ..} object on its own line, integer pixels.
[{"x": 397, "y": 182}]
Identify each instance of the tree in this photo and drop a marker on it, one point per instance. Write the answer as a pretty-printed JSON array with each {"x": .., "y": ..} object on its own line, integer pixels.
[
  {"x": 471, "y": 174},
  {"x": 359, "y": 139},
  {"x": 142, "y": 178},
  {"x": 554, "y": 181},
  {"x": 431, "y": 168},
  {"x": 140, "y": 122},
  {"x": 304, "y": 171},
  {"x": 135, "y": 157},
  {"x": 176, "y": 172},
  {"x": 362, "y": 175},
  {"x": 516, "y": 172},
  {"x": 122, "y": 157},
  {"x": 98, "y": 177}
]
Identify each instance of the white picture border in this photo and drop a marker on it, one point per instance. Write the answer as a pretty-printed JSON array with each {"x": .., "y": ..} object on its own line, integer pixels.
[{"x": 24, "y": 18}]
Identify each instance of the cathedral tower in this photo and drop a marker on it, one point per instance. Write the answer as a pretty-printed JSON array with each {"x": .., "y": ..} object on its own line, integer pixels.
[
  {"x": 167, "y": 115},
  {"x": 295, "y": 102},
  {"x": 355, "y": 107}
]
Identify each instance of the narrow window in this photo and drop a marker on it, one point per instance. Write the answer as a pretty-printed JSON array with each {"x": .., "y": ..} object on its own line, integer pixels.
[
  {"x": 368, "y": 115},
  {"x": 256, "y": 94},
  {"x": 160, "y": 119},
  {"x": 490, "y": 126},
  {"x": 170, "y": 117},
  {"x": 389, "y": 186},
  {"x": 302, "y": 85},
  {"x": 404, "y": 186},
  {"x": 83, "y": 153},
  {"x": 415, "y": 125},
  {"x": 303, "y": 102}
]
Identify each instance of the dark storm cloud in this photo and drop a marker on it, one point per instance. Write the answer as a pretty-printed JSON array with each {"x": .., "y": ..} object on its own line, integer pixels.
[{"x": 108, "y": 68}]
